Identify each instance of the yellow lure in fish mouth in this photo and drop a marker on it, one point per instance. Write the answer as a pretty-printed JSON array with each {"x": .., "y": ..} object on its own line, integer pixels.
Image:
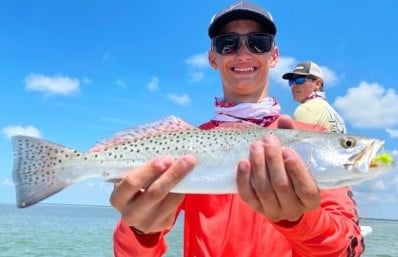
[
  {"x": 382, "y": 159},
  {"x": 368, "y": 158}
]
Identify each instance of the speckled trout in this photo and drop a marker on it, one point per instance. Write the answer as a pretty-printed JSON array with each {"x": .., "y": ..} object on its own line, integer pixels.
[{"x": 43, "y": 168}]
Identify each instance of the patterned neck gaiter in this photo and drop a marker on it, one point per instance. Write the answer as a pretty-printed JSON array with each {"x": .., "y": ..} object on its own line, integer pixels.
[
  {"x": 262, "y": 113},
  {"x": 316, "y": 94}
]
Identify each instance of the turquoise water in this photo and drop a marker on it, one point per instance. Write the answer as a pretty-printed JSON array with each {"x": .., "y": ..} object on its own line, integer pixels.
[
  {"x": 56, "y": 230},
  {"x": 86, "y": 231}
]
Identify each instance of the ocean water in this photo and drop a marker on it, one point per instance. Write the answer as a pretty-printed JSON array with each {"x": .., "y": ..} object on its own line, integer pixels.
[{"x": 86, "y": 231}]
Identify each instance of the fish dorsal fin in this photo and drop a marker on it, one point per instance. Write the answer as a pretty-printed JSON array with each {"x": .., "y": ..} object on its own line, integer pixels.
[
  {"x": 168, "y": 124},
  {"x": 237, "y": 125}
]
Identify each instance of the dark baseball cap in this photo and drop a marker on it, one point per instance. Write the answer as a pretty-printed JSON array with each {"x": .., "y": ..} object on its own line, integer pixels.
[{"x": 242, "y": 10}]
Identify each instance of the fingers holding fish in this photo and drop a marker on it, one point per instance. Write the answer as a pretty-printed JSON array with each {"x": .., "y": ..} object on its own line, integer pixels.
[
  {"x": 126, "y": 189},
  {"x": 143, "y": 197},
  {"x": 285, "y": 204},
  {"x": 245, "y": 189},
  {"x": 261, "y": 180},
  {"x": 294, "y": 189},
  {"x": 248, "y": 187},
  {"x": 254, "y": 179},
  {"x": 174, "y": 174},
  {"x": 304, "y": 185},
  {"x": 280, "y": 201},
  {"x": 270, "y": 182}
]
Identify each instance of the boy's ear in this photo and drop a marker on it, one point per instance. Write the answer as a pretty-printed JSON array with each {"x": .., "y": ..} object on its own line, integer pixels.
[
  {"x": 275, "y": 57},
  {"x": 212, "y": 57}
]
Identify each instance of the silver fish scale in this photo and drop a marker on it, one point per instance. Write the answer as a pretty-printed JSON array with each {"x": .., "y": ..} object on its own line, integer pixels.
[
  {"x": 180, "y": 143},
  {"x": 176, "y": 144}
]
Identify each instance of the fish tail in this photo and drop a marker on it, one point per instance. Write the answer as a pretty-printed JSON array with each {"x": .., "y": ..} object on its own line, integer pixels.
[{"x": 38, "y": 169}]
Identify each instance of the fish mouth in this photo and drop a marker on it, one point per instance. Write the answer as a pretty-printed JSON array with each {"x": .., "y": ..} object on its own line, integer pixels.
[{"x": 361, "y": 162}]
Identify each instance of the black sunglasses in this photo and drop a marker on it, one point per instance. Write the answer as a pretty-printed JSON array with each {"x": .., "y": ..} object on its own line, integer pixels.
[
  {"x": 300, "y": 80},
  {"x": 257, "y": 43}
]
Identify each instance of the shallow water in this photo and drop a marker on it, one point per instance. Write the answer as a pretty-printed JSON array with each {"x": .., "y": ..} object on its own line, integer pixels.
[{"x": 86, "y": 231}]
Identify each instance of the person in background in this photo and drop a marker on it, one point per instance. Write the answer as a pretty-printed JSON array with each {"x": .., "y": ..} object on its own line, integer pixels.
[
  {"x": 307, "y": 84},
  {"x": 278, "y": 210}
]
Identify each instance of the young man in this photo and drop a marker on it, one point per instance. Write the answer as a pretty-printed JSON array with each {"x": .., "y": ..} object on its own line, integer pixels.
[
  {"x": 306, "y": 83},
  {"x": 279, "y": 211}
]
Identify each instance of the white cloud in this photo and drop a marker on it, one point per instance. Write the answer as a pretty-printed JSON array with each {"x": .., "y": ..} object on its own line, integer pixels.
[
  {"x": 11, "y": 130},
  {"x": 392, "y": 133},
  {"x": 330, "y": 77},
  {"x": 378, "y": 185},
  {"x": 153, "y": 85},
  {"x": 373, "y": 198},
  {"x": 121, "y": 83},
  {"x": 196, "y": 76},
  {"x": 197, "y": 63},
  {"x": 383, "y": 189},
  {"x": 287, "y": 64},
  {"x": 56, "y": 85},
  {"x": 394, "y": 181},
  {"x": 107, "y": 58},
  {"x": 369, "y": 106},
  {"x": 7, "y": 182},
  {"x": 389, "y": 198},
  {"x": 179, "y": 99}
]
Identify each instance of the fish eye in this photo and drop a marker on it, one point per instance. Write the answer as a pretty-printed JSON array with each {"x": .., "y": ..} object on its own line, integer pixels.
[{"x": 347, "y": 142}]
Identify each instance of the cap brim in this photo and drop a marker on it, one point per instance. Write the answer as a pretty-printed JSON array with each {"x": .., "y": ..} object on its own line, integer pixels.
[{"x": 291, "y": 75}]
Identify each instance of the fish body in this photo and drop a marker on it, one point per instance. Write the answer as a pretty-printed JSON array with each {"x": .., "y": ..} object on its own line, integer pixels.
[{"x": 42, "y": 168}]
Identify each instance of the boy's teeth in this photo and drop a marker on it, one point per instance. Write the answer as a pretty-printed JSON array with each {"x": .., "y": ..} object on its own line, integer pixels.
[{"x": 245, "y": 69}]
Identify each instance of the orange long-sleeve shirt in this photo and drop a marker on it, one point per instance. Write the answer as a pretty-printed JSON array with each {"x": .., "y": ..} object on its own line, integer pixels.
[{"x": 223, "y": 225}]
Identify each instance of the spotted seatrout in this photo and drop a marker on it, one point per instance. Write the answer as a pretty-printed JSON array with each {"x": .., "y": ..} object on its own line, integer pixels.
[{"x": 42, "y": 168}]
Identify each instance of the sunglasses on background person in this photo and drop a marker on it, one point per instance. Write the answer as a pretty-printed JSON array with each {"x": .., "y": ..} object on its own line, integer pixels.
[
  {"x": 257, "y": 43},
  {"x": 300, "y": 80}
]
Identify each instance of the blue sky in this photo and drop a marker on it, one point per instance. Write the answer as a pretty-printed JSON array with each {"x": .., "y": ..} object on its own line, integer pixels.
[{"x": 75, "y": 72}]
